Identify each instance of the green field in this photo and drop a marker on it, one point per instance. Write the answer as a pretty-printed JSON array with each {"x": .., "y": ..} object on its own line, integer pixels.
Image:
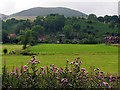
[{"x": 100, "y": 55}]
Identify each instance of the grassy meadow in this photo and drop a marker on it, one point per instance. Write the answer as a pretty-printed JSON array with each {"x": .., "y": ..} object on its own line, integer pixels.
[{"x": 99, "y": 55}]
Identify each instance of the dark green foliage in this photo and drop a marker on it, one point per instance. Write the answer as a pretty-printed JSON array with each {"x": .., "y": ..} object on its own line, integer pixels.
[
  {"x": 5, "y": 38},
  {"x": 5, "y": 51},
  {"x": 54, "y": 24}
]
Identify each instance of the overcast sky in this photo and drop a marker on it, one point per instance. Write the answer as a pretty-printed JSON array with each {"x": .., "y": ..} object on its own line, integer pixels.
[{"x": 98, "y": 7}]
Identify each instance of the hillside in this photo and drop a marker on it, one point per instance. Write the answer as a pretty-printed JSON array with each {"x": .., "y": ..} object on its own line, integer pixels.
[
  {"x": 2, "y": 16},
  {"x": 39, "y": 11}
]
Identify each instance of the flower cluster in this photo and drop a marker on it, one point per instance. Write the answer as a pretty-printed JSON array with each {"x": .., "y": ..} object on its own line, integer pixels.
[{"x": 69, "y": 76}]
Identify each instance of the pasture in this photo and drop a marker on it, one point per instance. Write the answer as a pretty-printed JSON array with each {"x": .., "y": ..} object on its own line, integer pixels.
[{"x": 99, "y": 55}]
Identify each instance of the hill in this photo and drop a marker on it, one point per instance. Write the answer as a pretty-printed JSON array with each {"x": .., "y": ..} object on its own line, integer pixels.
[
  {"x": 3, "y": 16},
  {"x": 40, "y": 11}
]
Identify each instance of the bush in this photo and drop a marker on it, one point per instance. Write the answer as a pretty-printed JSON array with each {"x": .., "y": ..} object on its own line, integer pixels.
[
  {"x": 71, "y": 76},
  {"x": 27, "y": 52},
  {"x": 5, "y": 51}
]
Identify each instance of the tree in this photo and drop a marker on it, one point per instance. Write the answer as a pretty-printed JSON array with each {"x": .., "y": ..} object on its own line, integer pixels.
[
  {"x": 92, "y": 17},
  {"x": 39, "y": 29},
  {"x": 107, "y": 18},
  {"x": 67, "y": 29},
  {"x": 26, "y": 37},
  {"x": 5, "y": 38},
  {"x": 23, "y": 25},
  {"x": 101, "y": 19},
  {"x": 38, "y": 21},
  {"x": 54, "y": 23}
]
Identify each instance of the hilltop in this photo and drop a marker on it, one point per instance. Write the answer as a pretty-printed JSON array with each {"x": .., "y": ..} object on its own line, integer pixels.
[{"x": 41, "y": 11}]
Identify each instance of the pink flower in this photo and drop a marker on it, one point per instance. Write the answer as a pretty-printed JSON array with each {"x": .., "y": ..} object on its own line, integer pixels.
[
  {"x": 27, "y": 69},
  {"x": 25, "y": 66},
  {"x": 97, "y": 68},
  {"x": 42, "y": 68},
  {"x": 13, "y": 72},
  {"x": 34, "y": 62},
  {"x": 24, "y": 70},
  {"x": 67, "y": 60},
  {"x": 38, "y": 61},
  {"x": 83, "y": 69},
  {"x": 54, "y": 70},
  {"x": 76, "y": 64},
  {"x": 21, "y": 66},
  {"x": 17, "y": 69},
  {"x": 42, "y": 73},
  {"x": 56, "y": 77}
]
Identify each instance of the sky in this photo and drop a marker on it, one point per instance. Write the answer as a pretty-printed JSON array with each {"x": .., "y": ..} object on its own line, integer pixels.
[{"x": 98, "y": 7}]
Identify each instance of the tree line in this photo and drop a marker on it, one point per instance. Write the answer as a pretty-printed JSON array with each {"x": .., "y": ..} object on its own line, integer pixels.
[{"x": 85, "y": 30}]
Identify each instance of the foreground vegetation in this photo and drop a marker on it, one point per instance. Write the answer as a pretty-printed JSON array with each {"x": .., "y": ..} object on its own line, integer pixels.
[{"x": 72, "y": 75}]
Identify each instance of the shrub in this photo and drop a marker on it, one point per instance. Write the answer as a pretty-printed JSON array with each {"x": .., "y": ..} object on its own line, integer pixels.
[
  {"x": 71, "y": 76},
  {"x": 5, "y": 51},
  {"x": 27, "y": 52}
]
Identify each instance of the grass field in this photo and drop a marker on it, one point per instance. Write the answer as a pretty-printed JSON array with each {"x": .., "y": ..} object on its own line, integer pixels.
[{"x": 100, "y": 55}]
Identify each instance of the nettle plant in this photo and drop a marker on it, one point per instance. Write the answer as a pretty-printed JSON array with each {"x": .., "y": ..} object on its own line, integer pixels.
[{"x": 71, "y": 76}]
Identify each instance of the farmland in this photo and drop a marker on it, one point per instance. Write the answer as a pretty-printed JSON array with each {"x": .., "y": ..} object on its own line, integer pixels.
[{"x": 99, "y": 55}]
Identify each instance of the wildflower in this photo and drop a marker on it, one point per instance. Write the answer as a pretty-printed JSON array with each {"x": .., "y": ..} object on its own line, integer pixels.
[
  {"x": 110, "y": 77},
  {"x": 27, "y": 69},
  {"x": 67, "y": 70},
  {"x": 76, "y": 64},
  {"x": 42, "y": 68},
  {"x": 86, "y": 72},
  {"x": 107, "y": 74},
  {"x": 70, "y": 71},
  {"x": 56, "y": 77},
  {"x": 13, "y": 72},
  {"x": 65, "y": 66},
  {"x": 101, "y": 72},
  {"x": 83, "y": 69},
  {"x": 79, "y": 62},
  {"x": 76, "y": 60},
  {"x": 27, "y": 63},
  {"x": 38, "y": 61},
  {"x": 24, "y": 70},
  {"x": 70, "y": 85},
  {"x": 17, "y": 69},
  {"x": 67, "y": 60},
  {"x": 51, "y": 68},
  {"x": 25, "y": 66},
  {"x": 94, "y": 69},
  {"x": 91, "y": 79},
  {"x": 42, "y": 73},
  {"x": 78, "y": 57},
  {"x": 97, "y": 68},
  {"x": 20, "y": 74},
  {"x": 21, "y": 66},
  {"x": 34, "y": 62},
  {"x": 46, "y": 66},
  {"x": 57, "y": 68},
  {"x": 32, "y": 59},
  {"x": 54, "y": 70},
  {"x": 62, "y": 80},
  {"x": 105, "y": 83}
]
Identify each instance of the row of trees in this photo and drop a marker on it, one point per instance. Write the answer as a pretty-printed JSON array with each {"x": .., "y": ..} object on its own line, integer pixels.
[{"x": 55, "y": 24}]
